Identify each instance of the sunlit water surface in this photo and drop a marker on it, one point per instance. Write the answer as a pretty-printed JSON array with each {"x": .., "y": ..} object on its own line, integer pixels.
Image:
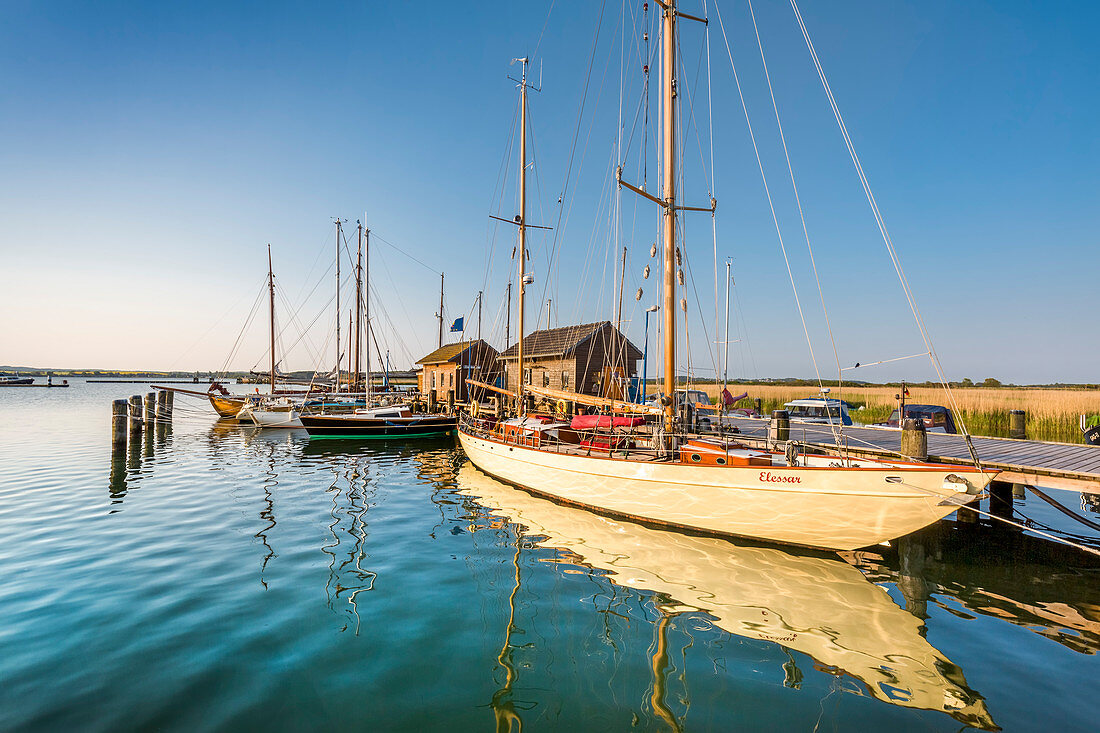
[{"x": 223, "y": 578}]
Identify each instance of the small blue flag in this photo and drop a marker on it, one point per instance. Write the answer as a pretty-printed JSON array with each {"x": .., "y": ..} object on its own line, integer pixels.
[{"x": 457, "y": 325}]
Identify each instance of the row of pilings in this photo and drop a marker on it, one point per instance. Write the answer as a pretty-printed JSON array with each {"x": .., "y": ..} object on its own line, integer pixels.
[{"x": 129, "y": 418}]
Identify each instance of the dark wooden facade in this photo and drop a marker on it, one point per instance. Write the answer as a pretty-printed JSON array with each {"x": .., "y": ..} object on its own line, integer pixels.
[{"x": 585, "y": 358}]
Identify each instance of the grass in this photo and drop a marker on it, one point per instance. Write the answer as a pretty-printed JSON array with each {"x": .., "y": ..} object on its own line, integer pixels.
[{"x": 1052, "y": 413}]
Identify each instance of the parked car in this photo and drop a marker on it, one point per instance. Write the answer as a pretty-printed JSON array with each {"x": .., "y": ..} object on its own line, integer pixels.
[{"x": 936, "y": 419}]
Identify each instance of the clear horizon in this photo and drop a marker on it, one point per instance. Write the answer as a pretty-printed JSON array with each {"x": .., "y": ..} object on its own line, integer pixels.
[{"x": 154, "y": 151}]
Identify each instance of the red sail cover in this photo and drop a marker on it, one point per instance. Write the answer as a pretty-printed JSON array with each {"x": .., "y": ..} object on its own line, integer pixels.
[{"x": 580, "y": 422}]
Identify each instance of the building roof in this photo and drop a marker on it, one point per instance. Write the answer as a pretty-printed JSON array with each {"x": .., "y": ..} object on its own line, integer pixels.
[
  {"x": 559, "y": 342},
  {"x": 453, "y": 352}
]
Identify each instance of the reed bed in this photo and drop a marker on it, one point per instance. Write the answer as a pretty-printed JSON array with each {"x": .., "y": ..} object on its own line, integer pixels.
[{"x": 1052, "y": 414}]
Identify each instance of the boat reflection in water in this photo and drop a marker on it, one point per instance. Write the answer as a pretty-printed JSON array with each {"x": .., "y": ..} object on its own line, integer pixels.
[{"x": 816, "y": 605}]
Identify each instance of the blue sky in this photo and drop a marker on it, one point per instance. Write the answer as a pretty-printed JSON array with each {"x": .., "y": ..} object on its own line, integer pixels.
[{"x": 152, "y": 150}]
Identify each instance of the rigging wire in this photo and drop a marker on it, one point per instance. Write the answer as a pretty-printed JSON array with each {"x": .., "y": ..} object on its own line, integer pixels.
[
  {"x": 933, "y": 356},
  {"x": 778, "y": 229},
  {"x": 798, "y": 201}
]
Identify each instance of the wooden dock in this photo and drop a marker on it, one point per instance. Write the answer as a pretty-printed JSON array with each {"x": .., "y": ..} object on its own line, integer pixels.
[{"x": 1033, "y": 462}]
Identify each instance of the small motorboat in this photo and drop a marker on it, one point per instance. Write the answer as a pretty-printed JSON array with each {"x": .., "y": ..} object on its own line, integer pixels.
[
  {"x": 14, "y": 380},
  {"x": 276, "y": 413},
  {"x": 820, "y": 410}
]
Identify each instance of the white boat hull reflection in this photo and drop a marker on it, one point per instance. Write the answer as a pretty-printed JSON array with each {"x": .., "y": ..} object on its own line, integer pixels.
[{"x": 819, "y": 606}]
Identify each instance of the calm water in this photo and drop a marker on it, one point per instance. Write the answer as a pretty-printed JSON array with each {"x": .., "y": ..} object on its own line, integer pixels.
[{"x": 223, "y": 578}]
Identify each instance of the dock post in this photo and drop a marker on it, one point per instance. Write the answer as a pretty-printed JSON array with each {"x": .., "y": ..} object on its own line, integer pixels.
[
  {"x": 150, "y": 408},
  {"x": 162, "y": 406},
  {"x": 780, "y": 429},
  {"x": 758, "y": 406},
  {"x": 1017, "y": 424},
  {"x": 914, "y": 439},
  {"x": 169, "y": 404},
  {"x": 1000, "y": 499},
  {"x": 135, "y": 415},
  {"x": 118, "y": 426},
  {"x": 450, "y": 402}
]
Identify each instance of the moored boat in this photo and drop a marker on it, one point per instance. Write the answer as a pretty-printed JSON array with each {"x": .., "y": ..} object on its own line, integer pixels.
[
  {"x": 722, "y": 487},
  {"x": 396, "y": 421},
  {"x": 659, "y": 472}
]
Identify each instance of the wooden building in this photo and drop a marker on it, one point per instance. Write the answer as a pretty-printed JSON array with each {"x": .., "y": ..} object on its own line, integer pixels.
[
  {"x": 445, "y": 370},
  {"x": 578, "y": 358}
]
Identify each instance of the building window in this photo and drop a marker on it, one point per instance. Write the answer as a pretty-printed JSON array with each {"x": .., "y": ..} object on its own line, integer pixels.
[
  {"x": 433, "y": 380},
  {"x": 565, "y": 380},
  {"x": 452, "y": 379},
  {"x": 527, "y": 375},
  {"x": 546, "y": 379}
]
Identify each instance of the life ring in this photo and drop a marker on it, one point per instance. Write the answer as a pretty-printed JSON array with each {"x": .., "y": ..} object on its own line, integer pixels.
[
  {"x": 475, "y": 408},
  {"x": 562, "y": 406}
]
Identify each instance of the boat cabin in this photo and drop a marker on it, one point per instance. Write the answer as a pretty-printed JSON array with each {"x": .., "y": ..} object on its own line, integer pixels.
[
  {"x": 819, "y": 410},
  {"x": 936, "y": 419}
]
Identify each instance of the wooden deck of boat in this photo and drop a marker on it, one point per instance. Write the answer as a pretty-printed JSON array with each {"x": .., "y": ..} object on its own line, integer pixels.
[{"x": 1057, "y": 465}]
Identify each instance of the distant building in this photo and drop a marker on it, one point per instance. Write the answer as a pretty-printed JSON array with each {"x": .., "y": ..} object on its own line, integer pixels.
[
  {"x": 575, "y": 358},
  {"x": 446, "y": 369}
]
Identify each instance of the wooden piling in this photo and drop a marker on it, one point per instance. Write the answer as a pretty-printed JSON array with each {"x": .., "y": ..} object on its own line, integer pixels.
[
  {"x": 135, "y": 415},
  {"x": 118, "y": 425},
  {"x": 1017, "y": 424},
  {"x": 1000, "y": 498},
  {"x": 781, "y": 426},
  {"x": 169, "y": 403},
  {"x": 150, "y": 408},
  {"x": 162, "y": 406},
  {"x": 914, "y": 439},
  {"x": 758, "y": 405}
]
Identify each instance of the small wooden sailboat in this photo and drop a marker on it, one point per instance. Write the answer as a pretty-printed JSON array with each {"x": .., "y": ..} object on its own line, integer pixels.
[{"x": 659, "y": 473}]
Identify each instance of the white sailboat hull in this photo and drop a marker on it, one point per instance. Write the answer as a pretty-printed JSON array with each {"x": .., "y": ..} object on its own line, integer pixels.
[
  {"x": 277, "y": 418},
  {"x": 812, "y": 506}
]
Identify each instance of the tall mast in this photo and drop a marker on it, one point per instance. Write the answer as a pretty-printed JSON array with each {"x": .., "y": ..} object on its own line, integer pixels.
[
  {"x": 616, "y": 347},
  {"x": 366, "y": 297},
  {"x": 726, "y": 340},
  {"x": 271, "y": 291},
  {"x": 508, "y": 317},
  {"x": 338, "y": 237},
  {"x": 479, "y": 294},
  {"x": 441, "y": 310},
  {"x": 522, "y": 226},
  {"x": 359, "y": 309},
  {"x": 668, "y": 96}
]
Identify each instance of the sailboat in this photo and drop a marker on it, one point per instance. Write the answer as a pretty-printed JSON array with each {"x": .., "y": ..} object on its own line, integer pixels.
[
  {"x": 817, "y": 605},
  {"x": 273, "y": 411},
  {"x": 658, "y": 473},
  {"x": 386, "y": 420}
]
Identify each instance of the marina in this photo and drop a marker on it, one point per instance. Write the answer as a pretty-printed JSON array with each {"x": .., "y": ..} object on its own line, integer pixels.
[
  {"x": 205, "y": 553},
  {"x": 418, "y": 391}
]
